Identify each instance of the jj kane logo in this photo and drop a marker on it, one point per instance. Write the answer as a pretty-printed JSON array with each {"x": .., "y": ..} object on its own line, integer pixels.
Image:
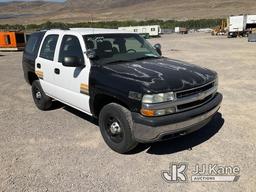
[
  {"x": 201, "y": 173},
  {"x": 176, "y": 173}
]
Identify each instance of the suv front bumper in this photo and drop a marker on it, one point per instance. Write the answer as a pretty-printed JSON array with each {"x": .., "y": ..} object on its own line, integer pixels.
[{"x": 151, "y": 129}]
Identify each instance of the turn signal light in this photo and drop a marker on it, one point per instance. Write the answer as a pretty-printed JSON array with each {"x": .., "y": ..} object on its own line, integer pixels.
[
  {"x": 158, "y": 112},
  {"x": 147, "y": 112}
]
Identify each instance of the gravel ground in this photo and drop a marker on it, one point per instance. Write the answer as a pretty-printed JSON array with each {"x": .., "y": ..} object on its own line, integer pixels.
[{"x": 62, "y": 150}]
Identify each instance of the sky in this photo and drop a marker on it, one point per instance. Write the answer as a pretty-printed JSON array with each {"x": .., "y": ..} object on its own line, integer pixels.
[{"x": 31, "y": 0}]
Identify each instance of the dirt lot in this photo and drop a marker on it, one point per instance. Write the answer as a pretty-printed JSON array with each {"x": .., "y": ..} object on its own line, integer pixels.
[{"x": 62, "y": 150}]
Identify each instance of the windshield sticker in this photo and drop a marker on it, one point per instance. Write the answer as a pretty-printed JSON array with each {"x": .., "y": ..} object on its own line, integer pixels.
[{"x": 97, "y": 39}]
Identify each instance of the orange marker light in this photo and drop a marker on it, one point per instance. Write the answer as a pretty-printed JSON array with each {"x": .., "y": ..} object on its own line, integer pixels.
[{"x": 147, "y": 112}]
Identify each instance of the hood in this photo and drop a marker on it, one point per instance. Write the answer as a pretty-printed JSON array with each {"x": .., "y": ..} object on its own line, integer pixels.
[{"x": 162, "y": 75}]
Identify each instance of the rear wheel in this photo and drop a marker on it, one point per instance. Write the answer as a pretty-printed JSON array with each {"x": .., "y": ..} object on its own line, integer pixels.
[
  {"x": 115, "y": 123},
  {"x": 42, "y": 101}
]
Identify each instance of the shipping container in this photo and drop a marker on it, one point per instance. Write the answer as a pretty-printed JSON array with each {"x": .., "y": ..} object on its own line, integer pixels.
[{"x": 12, "y": 41}]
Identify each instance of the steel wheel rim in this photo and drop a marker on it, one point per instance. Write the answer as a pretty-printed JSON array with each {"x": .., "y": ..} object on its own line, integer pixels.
[
  {"x": 114, "y": 130},
  {"x": 38, "y": 94}
]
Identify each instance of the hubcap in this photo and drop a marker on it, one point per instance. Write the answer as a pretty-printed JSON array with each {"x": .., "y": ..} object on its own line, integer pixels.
[
  {"x": 115, "y": 128},
  {"x": 38, "y": 95}
]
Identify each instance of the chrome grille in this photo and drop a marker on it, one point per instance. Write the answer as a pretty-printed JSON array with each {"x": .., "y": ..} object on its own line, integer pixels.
[
  {"x": 200, "y": 95},
  {"x": 194, "y": 91},
  {"x": 187, "y": 106},
  {"x": 187, "y": 99}
]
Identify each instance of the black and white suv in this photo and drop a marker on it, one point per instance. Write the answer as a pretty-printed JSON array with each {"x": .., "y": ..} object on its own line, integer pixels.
[{"x": 119, "y": 78}]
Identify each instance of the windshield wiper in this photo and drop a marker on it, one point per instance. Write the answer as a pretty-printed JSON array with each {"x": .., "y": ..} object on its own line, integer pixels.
[
  {"x": 137, "y": 59},
  {"x": 147, "y": 57},
  {"x": 117, "y": 61}
]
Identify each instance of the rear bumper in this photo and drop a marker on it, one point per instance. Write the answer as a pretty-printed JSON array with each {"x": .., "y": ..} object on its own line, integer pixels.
[{"x": 147, "y": 129}]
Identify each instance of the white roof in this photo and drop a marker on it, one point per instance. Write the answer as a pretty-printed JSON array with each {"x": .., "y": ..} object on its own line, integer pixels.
[{"x": 91, "y": 31}]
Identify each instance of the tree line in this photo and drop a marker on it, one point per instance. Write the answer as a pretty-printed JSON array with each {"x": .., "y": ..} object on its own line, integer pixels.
[{"x": 168, "y": 24}]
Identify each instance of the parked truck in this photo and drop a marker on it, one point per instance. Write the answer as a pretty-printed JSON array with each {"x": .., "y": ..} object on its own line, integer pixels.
[
  {"x": 251, "y": 26},
  {"x": 181, "y": 30},
  {"x": 117, "y": 77},
  {"x": 241, "y": 25},
  {"x": 251, "y": 22}
]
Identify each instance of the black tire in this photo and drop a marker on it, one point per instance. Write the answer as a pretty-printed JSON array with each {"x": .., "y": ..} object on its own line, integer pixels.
[
  {"x": 42, "y": 101},
  {"x": 117, "y": 136}
]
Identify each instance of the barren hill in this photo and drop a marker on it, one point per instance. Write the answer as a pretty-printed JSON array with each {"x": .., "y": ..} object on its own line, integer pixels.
[{"x": 103, "y": 10}]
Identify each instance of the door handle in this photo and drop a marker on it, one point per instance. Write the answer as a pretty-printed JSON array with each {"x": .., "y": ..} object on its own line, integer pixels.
[
  {"x": 38, "y": 65},
  {"x": 57, "y": 71}
]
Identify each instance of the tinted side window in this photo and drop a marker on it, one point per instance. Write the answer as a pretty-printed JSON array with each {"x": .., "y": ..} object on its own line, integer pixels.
[
  {"x": 48, "y": 48},
  {"x": 70, "y": 46},
  {"x": 33, "y": 43}
]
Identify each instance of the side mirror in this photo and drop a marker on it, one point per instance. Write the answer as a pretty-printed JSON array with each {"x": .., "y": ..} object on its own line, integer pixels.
[
  {"x": 91, "y": 54},
  {"x": 158, "y": 48},
  {"x": 72, "y": 61}
]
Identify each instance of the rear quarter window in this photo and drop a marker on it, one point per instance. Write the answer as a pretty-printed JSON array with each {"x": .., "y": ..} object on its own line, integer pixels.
[{"x": 33, "y": 44}]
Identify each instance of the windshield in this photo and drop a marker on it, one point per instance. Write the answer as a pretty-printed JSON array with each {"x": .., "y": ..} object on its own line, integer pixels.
[{"x": 114, "y": 48}]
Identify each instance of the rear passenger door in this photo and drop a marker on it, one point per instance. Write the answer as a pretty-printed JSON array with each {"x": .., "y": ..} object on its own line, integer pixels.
[{"x": 44, "y": 65}]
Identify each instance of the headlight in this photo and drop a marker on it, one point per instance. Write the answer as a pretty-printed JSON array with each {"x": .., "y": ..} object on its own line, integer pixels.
[{"x": 158, "y": 98}]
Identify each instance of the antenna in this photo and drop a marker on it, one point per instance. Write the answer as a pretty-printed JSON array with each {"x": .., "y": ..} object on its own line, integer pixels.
[{"x": 92, "y": 23}]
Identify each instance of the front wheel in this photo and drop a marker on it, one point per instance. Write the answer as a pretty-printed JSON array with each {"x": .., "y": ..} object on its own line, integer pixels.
[
  {"x": 115, "y": 123},
  {"x": 42, "y": 101}
]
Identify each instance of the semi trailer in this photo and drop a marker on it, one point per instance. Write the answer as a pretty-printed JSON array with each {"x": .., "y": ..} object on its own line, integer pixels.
[{"x": 150, "y": 30}]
